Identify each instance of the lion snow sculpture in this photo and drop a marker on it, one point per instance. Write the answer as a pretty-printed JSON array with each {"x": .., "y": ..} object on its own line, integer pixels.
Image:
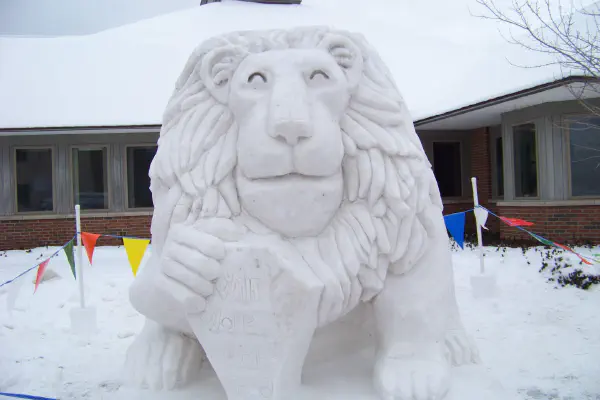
[{"x": 289, "y": 187}]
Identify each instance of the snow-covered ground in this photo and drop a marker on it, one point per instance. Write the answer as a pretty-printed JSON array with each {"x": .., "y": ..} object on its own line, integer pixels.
[{"x": 539, "y": 342}]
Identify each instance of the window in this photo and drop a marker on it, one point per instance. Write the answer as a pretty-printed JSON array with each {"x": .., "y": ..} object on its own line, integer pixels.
[
  {"x": 499, "y": 166},
  {"x": 447, "y": 168},
  {"x": 525, "y": 152},
  {"x": 138, "y": 181},
  {"x": 90, "y": 178},
  {"x": 34, "y": 180},
  {"x": 584, "y": 151}
]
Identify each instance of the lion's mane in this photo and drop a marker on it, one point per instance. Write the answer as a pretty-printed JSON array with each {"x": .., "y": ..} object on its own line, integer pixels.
[{"x": 380, "y": 226}]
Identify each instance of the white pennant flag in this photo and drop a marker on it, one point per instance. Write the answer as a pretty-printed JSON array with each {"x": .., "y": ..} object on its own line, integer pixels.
[{"x": 481, "y": 215}]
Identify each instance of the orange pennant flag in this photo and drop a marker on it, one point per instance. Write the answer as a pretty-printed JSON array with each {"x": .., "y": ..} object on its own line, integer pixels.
[
  {"x": 89, "y": 242},
  {"x": 40, "y": 273}
]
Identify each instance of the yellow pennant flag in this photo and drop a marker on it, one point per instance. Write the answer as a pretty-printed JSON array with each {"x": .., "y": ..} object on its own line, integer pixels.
[{"x": 135, "y": 249}]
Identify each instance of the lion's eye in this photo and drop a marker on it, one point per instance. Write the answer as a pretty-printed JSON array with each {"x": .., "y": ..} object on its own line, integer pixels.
[
  {"x": 317, "y": 73},
  {"x": 257, "y": 75}
]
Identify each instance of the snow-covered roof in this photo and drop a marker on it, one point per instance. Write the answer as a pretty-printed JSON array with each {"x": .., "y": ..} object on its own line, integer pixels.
[{"x": 125, "y": 76}]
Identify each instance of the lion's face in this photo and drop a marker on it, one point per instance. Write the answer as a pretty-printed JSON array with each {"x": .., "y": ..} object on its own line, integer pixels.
[{"x": 287, "y": 105}]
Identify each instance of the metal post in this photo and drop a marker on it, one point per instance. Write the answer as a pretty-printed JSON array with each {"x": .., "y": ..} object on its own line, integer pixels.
[
  {"x": 479, "y": 238},
  {"x": 79, "y": 266}
]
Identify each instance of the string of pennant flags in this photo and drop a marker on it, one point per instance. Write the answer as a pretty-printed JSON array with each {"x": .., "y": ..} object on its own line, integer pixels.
[
  {"x": 135, "y": 247},
  {"x": 455, "y": 223},
  {"x": 40, "y": 266}
]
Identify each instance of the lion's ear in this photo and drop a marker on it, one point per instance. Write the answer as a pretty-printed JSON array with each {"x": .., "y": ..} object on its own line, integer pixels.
[
  {"x": 218, "y": 67},
  {"x": 347, "y": 55}
]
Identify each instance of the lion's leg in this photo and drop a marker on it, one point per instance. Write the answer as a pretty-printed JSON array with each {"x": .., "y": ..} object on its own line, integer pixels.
[
  {"x": 161, "y": 358},
  {"x": 414, "y": 312},
  {"x": 165, "y": 354}
]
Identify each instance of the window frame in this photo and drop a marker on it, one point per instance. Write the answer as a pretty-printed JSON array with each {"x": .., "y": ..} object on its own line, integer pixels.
[
  {"x": 13, "y": 154},
  {"x": 126, "y": 176},
  {"x": 567, "y": 142},
  {"x": 462, "y": 165},
  {"x": 514, "y": 164},
  {"x": 493, "y": 136},
  {"x": 109, "y": 183}
]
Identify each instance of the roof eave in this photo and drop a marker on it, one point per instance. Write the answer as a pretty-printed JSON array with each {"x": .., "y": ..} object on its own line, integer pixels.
[
  {"x": 91, "y": 129},
  {"x": 508, "y": 97}
]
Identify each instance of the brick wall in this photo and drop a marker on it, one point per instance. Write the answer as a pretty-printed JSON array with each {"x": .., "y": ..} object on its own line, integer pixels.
[
  {"x": 481, "y": 168},
  {"x": 572, "y": 225},
  {"x": 24, "y": 234}
]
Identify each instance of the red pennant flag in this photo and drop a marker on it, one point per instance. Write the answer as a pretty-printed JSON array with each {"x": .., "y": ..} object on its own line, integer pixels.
[
  {"x": 89, "y": 242},
  {"x": 40, "y": 273},
  {"x": 516, "y": 221}
]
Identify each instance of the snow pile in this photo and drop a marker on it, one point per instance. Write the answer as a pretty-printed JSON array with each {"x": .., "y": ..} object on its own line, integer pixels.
[
  {"x": 539, "y": 342},
  {"x": 442, "y": 59}
]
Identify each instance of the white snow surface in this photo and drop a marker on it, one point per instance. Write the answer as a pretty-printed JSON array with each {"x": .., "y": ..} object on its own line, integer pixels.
[
  {"x": 441, "y": 57},
  {"x": 536, "y": 341}
]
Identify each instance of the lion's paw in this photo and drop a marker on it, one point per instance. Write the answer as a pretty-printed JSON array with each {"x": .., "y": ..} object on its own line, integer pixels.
[
  {"x": 162, "y": 359},
  {"x": 409, "y": 379}
]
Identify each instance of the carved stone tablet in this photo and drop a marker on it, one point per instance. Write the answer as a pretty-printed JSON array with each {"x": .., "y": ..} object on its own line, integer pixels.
[{"x": 258, "y": 325}]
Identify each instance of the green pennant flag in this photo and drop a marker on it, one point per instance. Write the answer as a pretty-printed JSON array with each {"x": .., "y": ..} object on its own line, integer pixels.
[
  {"x": 542, "y": 240},
  {"x": 71, "y": 257}
]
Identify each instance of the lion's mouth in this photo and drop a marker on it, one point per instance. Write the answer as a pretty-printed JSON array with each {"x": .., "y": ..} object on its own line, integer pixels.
[{"x": 293, "y": 177}]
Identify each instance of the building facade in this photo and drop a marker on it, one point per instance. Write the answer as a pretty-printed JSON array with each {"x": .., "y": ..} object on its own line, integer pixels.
[
  {"x": 84, "y": 129},
  {"x": 45, "y": 172},
  {"x": 540, "y": 163}
]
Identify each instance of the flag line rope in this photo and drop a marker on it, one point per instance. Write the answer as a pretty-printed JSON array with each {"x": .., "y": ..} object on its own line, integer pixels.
[
  {"x": 38, "y": 264},
  {"x": 586, "y": 258},
  {"x": 25, "y": 396}
]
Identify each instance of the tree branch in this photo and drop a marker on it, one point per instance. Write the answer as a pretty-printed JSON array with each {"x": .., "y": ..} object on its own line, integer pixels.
[{"x": 558, "y": 33}]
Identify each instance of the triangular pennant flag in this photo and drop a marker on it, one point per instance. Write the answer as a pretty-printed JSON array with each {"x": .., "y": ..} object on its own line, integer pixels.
[
  {"x": 574, "y": 252},
  {"x": 456, "y": 226},
  {"x": 583, "y": 259},
  {"x": 516, "y": 221},
  {"x": 542, "y": 240},
  {"x": 89, "y": 242},
  {"x": 481, "y": 216},
  {"x": 70, "y": 257},
  {"x": 40, "y": 272},
  {"x": 135, "y": 249},
  {"x": 554, "y": 244}
]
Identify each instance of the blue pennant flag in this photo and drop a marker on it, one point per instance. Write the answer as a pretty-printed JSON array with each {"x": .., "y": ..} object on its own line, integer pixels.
[{"x": 455, "y": 223}]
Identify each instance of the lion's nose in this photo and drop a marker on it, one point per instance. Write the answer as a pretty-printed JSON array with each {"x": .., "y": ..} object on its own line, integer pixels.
[{"x": 292, "y": 131}]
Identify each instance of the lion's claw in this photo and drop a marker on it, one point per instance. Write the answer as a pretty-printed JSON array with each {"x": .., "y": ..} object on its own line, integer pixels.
[{"x": 461, "y": 348}]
